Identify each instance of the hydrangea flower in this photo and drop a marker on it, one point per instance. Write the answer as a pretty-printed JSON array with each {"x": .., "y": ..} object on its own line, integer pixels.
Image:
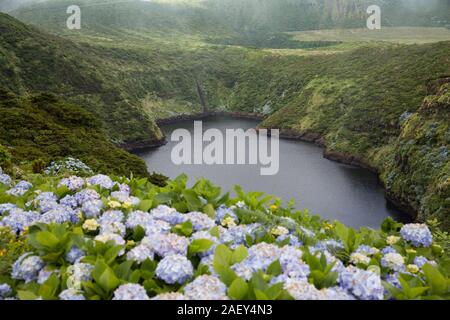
[
  {"x": 175, "y": 269},
  {"x": 365, "y": 285},
  {"x": 417, "y": 234},
  {"x": 169, "y": 296},
  {"x": 138, "y": 218},
  {"x": 20, "y": 189},
  {"x": 168, "y": 244},
  {"x": 101, "y": 180},
  {"x": 69, "y": 201},
  {"x": 19, "y": 219},
  {"x": 72, "y": 183},
  {"x": 222, "y": 212},
  {"x": 5, "y": 291},
  {"x": 167, "y": 214},
  {"x": 74, "y": 255},
  {"x": 27, "y": 267},
  {"x": 86, "y": 195},
  {"x": 71, "y": 294},
  {"x": 337, "y": 293},
  {"x": 130, "y": 291},
  {"x": 78, "y": 273},
  {"x": 92, "y": 208},
  {"x": 206, "y": 287},
  {"x": 293, "y": 240},
  {"x": 6, "y": 207},
  {"x": 359, "y": 258},
  {"x": 393, "y": 261},
  {"x": 200, "y": 221},
  {"x": 387, "y": 250},
  {"x": 368, "y": 251},
  {"x": 68, "y": 164},
  {"x": 43, "y": 275},
  {"x": 105, "y": 237},
  {"x": 60, "y": 214},
  {"x": 5, "y": 179},
  {"x": 300, "y": 289},
  {"x": 111, "y": 222},
  {"x": 420, "y": 261},
  {"x": 125, "y": 197},
  {"x": 141, "y": 252}
]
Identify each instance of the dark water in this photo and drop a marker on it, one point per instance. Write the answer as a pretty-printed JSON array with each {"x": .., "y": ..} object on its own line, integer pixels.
[{"x": 333, "y": 190}]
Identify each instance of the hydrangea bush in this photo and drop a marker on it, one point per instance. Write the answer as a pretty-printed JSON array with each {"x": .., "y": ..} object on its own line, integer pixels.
[{"x": 102, "y": 237}]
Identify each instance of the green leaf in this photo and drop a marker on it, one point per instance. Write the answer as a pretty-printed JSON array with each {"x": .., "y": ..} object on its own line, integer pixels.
[
  {"x": 145, "y": 205},
  {"x": 26, "y": 295},
  {"x": 239, "y": 254},
  {"x": 199, "y": 246},
  {"x": 260, "y": 295},
  {"x": 105, "y": 277},
  {"x": 209, "y": 211},
  {"x": 47, "y": 239},
  {"x": 238, "y": 289},
  {"x": 192, "y": 200},
  {"x": 275, "y": 268},
  {"x": 439, "y": 285},
  {"x": 223, "y": 255}
]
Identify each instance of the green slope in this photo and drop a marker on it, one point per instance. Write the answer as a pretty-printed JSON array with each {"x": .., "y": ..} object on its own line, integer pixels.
[{"x": 42, "y": 127}]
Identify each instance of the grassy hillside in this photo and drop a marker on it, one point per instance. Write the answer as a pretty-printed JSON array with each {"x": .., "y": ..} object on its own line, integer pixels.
[
  {"x": 32, "y": 61},
  {"x": 417, "y": 168},
  {"x": 44, "y": 128}
]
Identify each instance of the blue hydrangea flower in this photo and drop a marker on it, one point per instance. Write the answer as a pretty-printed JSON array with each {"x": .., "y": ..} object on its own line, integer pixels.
[
  {"x": 20, "y": 189},
  {"x": 78, "y": 273},
  {"x": 105, "y": 237},
  {"x": 138, "y": 218},
  {"x": 293, "y": 240},
  {"x": 6, "y": 207},
  {"x": 5, "y": 179},
  {"x": 365, "y": 285},
  {"x": 388, "y": 249},
  {"x": 206, "y": 287},
  {"x": 73, "y": 183},
  {"x": 69, "y": 201},
  {"x": 392, "y": 278},
  {"x": 60, "y": 214},
  {"x": 237, "y": 235},
  {"x": 27, "y": 267},
  {"x": 167, "y": 214},
  {"x": 300, "y": 289},
  {"x": 19, "y": 219},
  {"x": 292, "y": 264},
  {"x": 417, "y": 234},
  {"x": 5, "y": 291},
  {"x": 101, "y": 180},
  {"x": 168, "y": 244},
  {"x": 200, "y": 221},
  {"x": 420, "y": 261},
  {"x": 44, "y": 275},
  {"x": 141, "y": 252},
  {"x": 222, "y": 212},
  {"x": 125, "y": 197},
  {"x": 328, "y": 245},
  {"x": 71, "y": 294},
  {"x": 337, "y": 293},
  {"x": 368, "y": 251},
  {"x": 175, "y": 269},
  {"x": 111, "y": 216},
  {"x": 74, "y": 255},
  {"x": 86, "y": 195},
  {"x": 92, "y": 208},
  {"x": 130, "y": 292},
  {"x": 169, "y": 296}
]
